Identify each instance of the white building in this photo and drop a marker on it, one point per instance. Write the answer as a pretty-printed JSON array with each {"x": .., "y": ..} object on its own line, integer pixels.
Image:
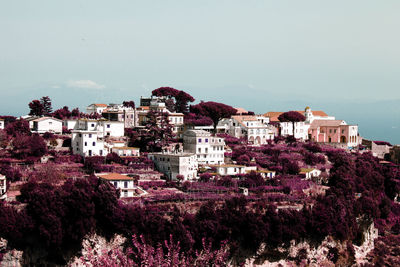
[
  {"x": 123, "y": 182},
  {"x": 267, "y": 174},
  {"x": 2, "y": 124},
  {"x": 380, "y": 149},
  {"x": 118, "y": 112},
  {"x": 102, "y": 126},
  {"x": 175, "y": 119},
  {"x": 96, "y": 108},
  {"x": 173, "y": 164},
  {"x": 232, "y": 169},
  {"x": 88, "y": 143},
  {"x": 46, "y": 124},
  {"x": 301, "y": 129},
  {"x": 309, "y": 173},
  {"x": 126, "y": 151},
  {"x": 208, "y": 149},
  {"x": 3, "y": 186},
  {"x": 254, "y": 128}
]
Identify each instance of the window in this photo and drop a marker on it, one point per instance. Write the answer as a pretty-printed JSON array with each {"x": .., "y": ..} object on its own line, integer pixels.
[
  {"x": 50, "y": 123},
  {"x": 92, "y": 124},
  {"x": 80, "y": 135},
  {"x": 115, "y": 184},
  {"x": 125, "y": 184},
  {"x": 330, "y": 130},
  {"x": 199, "y": 149},
  {"x": 199, "y": 140},
  {"x": 94, "y": 143},
  {"x": 342, "y": 131},
  {"x": 108, "y": 125},
  {"x": 85, "y": 143},
  {"x": 90, "y": 135},
  {"x": 206, "y": 140},
  {"x": 206, "y": 150},
  {"x": 101, "y": 152},
  {"x": 334, "y": 131}
]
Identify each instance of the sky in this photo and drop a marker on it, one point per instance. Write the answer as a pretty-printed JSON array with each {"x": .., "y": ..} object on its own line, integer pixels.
[{"x": 340, "y": 56}]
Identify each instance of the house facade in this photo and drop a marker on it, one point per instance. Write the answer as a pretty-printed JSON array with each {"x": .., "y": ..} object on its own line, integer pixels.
[
  {"x": 46, "y": 124},
  {"x": 233, "y": 169},
  {"x": 254, "y": 128},
  {"x": 117, "y": 112},
  {"x": 334, "y": 131},
  {"x": 88, "y": 143},
  {"x": 2, "y": 124},
  {"x": 126, "y": 151},
  {"x": 299, "y": 130},
  {"x": 309, "y": 173},
  {"x": 173, "y": 164},
  {"x": 102, "y": 126},
  {"x": 96, "y": 108},
  {"x": 208, "y": 149},
  {"x": 120, "y": 181}
]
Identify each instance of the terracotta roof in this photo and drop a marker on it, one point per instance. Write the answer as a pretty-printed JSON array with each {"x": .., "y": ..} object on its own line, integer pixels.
[
  {"x": 327, "y": 123},
  {"x": 240, "y": 110},
  {"x": 114, "y": 176},
  {"x": 306, "y": 170},
  {"x": 100, "y": 105},
  {"x": 242, "y": 118},
  {"x": 273, "y": 115}
]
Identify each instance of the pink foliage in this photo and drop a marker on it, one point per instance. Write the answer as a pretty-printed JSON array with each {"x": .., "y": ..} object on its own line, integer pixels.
[{"x": 164, "y": 255}]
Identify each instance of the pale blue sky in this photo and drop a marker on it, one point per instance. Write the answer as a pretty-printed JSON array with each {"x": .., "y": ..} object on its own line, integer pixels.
[{"x": 339, "y": 56}]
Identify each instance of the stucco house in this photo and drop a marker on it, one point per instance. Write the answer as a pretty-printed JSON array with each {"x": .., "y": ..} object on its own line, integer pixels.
[
  {"x": 123, "y": 182},
  {"x": 46, "y": 124},
  {"x": 96, "y": 108},
  {"x": 126, "y": 151},
  {"x": 208, "y": 149},
  {"x": 255, "y": 129},
  {"x": 173, "y": 164},
  {"x": 334, "y": 131},
  {"x": 309, "y": 173}
]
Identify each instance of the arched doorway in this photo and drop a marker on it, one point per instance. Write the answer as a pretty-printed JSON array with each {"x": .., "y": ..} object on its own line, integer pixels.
[
  {"x": 343, "y": 139},
  {"x": 251, "y": 140},
  {"x": 258, "y": 140},
  {"x": 329, "y": 139}
]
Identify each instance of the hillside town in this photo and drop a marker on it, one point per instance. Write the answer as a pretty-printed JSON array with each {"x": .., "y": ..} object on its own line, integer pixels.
[{"x": 164, "y": 152}]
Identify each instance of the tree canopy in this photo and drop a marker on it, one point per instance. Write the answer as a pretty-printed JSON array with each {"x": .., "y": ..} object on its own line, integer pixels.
[
  {"x": 181, "y": 98},
  {"x": 214, "y": 110}
]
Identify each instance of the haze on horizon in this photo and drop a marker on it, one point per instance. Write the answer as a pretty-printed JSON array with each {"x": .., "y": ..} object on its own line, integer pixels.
[{"x": 342, "y": 57}]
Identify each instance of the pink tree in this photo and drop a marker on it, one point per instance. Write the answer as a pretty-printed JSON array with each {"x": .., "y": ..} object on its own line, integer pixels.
[
  {"x": 291, "y": 116},
  {"x": 214, "y": 110}
]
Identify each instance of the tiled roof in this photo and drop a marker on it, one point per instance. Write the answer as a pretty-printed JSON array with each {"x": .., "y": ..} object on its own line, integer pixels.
[
  {"x": 326, "y": 123},
  {"x": 242, "y": 118},
  {"x": 100, "y": 105},
  {"x": 240, "y": 110},
  {"x": 114, "y": 176},
  {"x": 306, "y": 170},
  {"x": 273, "y": 115}
]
